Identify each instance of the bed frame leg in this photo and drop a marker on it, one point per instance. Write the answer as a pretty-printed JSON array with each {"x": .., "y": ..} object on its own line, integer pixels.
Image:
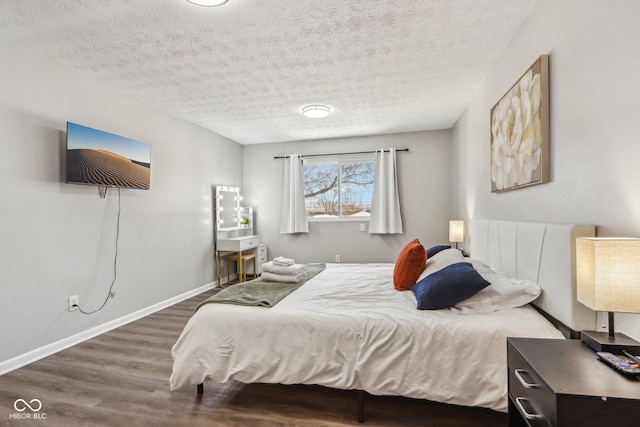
[
  {"x": 361, "y": 406},
  {"x": 200, "y": 388}
]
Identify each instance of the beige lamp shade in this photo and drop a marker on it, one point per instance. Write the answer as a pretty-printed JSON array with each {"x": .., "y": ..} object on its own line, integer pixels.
[
  {"x": 608, "y": 274},
  {"x": 456, "y": 231}
]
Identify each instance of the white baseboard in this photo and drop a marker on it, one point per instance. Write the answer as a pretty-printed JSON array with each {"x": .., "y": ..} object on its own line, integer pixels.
[{"x": 49, "y": 349}]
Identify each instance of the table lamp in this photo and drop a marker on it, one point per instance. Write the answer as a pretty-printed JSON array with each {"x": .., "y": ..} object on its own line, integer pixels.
[
  {"x": 456, "y": 232},
  {"x": 608, "y": 279}
]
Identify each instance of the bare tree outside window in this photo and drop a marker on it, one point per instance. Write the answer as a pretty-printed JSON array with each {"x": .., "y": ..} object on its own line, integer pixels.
[{"x": 338, "y": 189}]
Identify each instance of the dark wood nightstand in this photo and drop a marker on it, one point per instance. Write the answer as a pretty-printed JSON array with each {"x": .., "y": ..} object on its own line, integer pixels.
[{"x": 561, "y": 383}]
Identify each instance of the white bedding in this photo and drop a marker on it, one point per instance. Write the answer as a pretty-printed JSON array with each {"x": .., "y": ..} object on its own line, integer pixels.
[{"x": 348, "y": 328}]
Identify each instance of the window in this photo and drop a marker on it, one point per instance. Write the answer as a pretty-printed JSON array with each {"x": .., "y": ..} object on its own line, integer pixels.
[{"x": 338, "y": 189}]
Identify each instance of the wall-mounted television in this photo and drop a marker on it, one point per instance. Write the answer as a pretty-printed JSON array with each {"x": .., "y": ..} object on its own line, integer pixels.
[{"x": 95, "y": 157}]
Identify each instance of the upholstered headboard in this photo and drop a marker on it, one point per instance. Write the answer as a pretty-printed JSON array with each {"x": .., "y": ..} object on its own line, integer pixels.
[{"x": 541, "y": 252}]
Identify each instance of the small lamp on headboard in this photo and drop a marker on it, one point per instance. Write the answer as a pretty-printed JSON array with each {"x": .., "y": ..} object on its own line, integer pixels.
[
  {"x": 456, "y": 232},
  {"x": 608, "y": 279}
]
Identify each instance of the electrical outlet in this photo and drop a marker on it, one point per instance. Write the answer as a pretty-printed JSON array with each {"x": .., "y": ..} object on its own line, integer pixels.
[
  {"x": 74, "y": 301},
  {"x": 362, "y": 227},
  {"x": 337, "y": 258}
]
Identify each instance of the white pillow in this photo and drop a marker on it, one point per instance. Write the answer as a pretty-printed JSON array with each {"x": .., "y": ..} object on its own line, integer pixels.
[
  {"x": 503, "y": 293},
  {"x": 480, "y": 266},
  {"x": 441, "y": 260}
]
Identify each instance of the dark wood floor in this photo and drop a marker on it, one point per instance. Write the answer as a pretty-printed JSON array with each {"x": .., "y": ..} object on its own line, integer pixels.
[{"x": 121, "y": 378}]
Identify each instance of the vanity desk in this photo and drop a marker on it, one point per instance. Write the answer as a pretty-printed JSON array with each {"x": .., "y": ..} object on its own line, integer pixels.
[
  {"x": 236, "y": 242},
  {"x": 239, "y": 250}
]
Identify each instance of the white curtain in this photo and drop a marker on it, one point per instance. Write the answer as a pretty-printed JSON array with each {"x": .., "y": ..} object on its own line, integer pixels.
[
  {"x": 385, "y": 209},
  {"x": 293, "y": 215}
]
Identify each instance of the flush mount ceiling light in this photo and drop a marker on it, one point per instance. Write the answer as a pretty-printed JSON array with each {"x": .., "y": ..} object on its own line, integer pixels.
[
  {"x": 316, "y": 111},
  {"x": 208, "y": 3}
]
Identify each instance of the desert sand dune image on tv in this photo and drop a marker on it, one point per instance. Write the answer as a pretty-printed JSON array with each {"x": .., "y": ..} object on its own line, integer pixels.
[
  {"x": 106, "y": 168},
  {"x": 99, "y": 158}
]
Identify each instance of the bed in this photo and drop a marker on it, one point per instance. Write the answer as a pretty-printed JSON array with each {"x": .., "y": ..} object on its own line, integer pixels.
[{"x": 348, "y": 328}]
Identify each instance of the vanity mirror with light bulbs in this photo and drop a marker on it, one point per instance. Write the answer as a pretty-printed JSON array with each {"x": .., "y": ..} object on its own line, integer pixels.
[{"x": 235, "y": 237}]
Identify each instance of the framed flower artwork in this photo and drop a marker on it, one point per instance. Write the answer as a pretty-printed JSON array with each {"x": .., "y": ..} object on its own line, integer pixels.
[{"x": 520, "y": 131}]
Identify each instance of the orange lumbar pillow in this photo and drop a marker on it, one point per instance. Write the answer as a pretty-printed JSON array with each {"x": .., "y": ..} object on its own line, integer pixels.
[{"x": 410, "y": 263}]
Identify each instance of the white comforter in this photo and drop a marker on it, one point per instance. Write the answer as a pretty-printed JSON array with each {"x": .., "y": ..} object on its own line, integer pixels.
[{"x": 348, "y": 328}]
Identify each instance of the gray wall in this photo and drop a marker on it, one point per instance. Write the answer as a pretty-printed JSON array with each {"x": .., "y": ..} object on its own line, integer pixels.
[
  {"x": 424, "y": 180},
  {"x": 595, "y": 94},
  {"x": 57, "y": 239}
]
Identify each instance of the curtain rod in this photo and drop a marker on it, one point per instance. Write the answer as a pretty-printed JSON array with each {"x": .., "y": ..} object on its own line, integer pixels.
[{"x": 340, "y": 154}]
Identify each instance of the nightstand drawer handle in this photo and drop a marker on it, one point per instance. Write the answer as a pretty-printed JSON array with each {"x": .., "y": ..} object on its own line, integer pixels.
[
  {"x": 518, "y": 373},
  {"x": 524, "y": 411}
]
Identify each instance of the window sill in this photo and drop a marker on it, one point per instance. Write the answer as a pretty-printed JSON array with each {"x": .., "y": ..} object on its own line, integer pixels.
[{"x": 346, "y": 219}]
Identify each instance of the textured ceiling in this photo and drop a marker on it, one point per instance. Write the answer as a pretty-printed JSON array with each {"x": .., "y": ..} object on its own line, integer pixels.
[{"x": 246, "y": 69}]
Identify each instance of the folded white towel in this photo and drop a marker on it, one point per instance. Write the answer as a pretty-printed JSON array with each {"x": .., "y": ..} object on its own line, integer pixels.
[
  {"x": 273, "y": 277},
  {"x": 289, "y": 270},
  {"x": 283, "y": 261}
]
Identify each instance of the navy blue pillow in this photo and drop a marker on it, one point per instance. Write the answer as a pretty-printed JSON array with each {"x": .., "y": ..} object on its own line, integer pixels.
[
  {"x": 435, "y": 249},
  {"x": 448, "y": 286}
]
